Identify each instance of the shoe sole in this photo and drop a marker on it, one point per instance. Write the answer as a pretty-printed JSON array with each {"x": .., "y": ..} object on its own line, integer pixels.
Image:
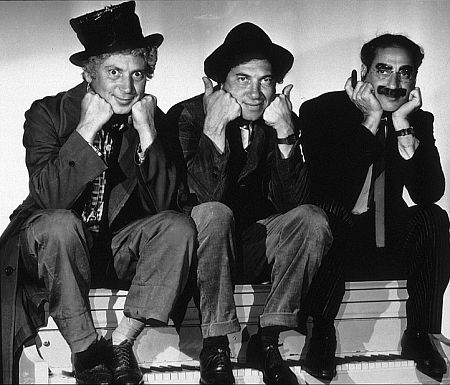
[
  {"x": 218, "y": 381},
  {"x": 317, "y": 375}
]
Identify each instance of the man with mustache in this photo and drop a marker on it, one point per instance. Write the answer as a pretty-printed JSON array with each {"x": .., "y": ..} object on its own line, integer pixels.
[
  {"x": 102, "y": 208},
  {"x": 363, "y": 147},
  {"x": 245, "y": 171}
]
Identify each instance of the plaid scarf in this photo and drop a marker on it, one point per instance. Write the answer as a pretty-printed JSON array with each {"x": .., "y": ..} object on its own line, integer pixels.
[{"x": 93, "y": 209}]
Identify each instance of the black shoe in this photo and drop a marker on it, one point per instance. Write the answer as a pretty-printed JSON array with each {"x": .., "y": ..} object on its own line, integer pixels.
[
  {"x": 215, "y": 366},
  {"x": 124, "y": 366},
  {"x": 320, "y": 359},
  {"x": 92, "y": 365},
  {"x": 268, "y": 359},
  {"x": 418, "y": 347}
]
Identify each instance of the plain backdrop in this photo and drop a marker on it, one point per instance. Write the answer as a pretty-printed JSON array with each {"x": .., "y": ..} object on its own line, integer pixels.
[{"x": 325, "y": 37}]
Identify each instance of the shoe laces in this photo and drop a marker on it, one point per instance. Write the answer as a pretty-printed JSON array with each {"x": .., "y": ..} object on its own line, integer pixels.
[
  {"x": 221, "y": 356},
  {"x": 123, "y": 354},
  {"x": 273, "y": 356}
]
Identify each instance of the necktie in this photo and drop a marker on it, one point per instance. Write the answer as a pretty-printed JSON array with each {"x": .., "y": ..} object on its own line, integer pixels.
[{"x": 377, "y": 190}]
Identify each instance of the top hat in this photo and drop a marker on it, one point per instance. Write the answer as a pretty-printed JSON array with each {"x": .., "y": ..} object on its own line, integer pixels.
[
  {"x": 243, "y": 41},
  {"x": 112, "y": 29}
]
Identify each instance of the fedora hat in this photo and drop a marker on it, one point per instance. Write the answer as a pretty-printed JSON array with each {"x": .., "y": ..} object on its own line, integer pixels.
[
  {"x": 243, "y": 41},
  {"x": 111, "y": 29}
]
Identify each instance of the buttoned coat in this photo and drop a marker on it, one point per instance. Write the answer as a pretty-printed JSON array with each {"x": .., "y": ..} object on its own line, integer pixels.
[{"x": 61, "y": 166}]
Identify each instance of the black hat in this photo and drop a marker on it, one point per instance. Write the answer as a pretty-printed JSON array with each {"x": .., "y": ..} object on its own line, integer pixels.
[
  {"x": 112, "y": 29},
  {"x": 242, "y": 42}
]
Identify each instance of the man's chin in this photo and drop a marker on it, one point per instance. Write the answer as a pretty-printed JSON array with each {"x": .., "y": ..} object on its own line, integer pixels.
[
  {"x": 251, "y": 116},
  {"x": 121, "y": 110},
  {"x": 391, "y": 104}
]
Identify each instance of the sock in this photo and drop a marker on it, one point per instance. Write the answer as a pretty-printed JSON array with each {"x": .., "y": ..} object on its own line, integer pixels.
[
  {"x": 216, "y": 341},
  {"x": 269, "y": 335},
  {"x": 128, "y": 329}
]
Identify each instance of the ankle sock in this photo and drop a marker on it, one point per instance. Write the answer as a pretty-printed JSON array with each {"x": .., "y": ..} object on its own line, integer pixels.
[
  {"x": 128, "y": 329},
  {"x": 269, "y": 335}
]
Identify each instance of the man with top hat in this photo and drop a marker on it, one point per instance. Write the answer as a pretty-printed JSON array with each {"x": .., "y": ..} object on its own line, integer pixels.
[
  {"x": 102, "y": 207},
  {"x": 240, "y": 145},
  {"x": 364, "y": 146}
]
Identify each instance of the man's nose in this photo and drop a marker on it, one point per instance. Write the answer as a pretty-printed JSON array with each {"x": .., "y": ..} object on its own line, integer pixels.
[
  {"x": 127, "y": 84},
  {"x": 255, "y": 90},
  {"x": 394, "y": 80}
]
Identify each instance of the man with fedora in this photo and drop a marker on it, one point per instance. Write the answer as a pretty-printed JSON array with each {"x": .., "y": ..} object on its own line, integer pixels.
[
  {"x": 101, "y": 209},
  {"x": 240, "y": 143}
]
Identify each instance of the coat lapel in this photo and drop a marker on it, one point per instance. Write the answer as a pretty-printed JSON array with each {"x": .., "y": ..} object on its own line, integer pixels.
[
  {"x": 255, "y": 152},
  {"x": 121, "y": 192}
]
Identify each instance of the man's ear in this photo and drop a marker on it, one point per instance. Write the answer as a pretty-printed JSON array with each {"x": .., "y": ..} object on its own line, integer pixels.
[
  {"x": 364, "y": 71},
  {"x": 87, "y": 77}
]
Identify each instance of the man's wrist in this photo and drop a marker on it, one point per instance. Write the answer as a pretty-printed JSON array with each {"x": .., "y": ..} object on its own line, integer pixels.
[
  {"x": 405, "y": 131},
  {"x": 290, "y": 139},
  {"x": 400, "y": 123},
  {"x": 371, "y": 122}
]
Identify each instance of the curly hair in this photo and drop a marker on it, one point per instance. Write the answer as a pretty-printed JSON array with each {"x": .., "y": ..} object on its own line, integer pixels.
[
  {"x": 369, "y": 50},
  {"x": 149, "y": 54}
]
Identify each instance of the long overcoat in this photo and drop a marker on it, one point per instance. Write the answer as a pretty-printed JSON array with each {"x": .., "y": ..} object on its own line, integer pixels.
[{"x": 62, "y": 166}]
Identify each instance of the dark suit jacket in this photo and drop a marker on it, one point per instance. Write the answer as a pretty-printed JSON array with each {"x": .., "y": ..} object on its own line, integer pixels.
[
  {"x": 61, "y": 166},
  {"x": 265, "y": 185},
  {"x": 339, "y": 151}
]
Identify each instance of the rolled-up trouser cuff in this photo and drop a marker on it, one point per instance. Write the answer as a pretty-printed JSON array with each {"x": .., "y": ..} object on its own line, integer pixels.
[
  {"x": 288, "y": 320},
  {"x": 220, "y": 328},
  {"x": 78, "y": 331}
]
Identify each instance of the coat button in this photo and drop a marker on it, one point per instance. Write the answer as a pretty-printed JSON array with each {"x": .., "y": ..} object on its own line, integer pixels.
[
  {"x": 9, "y": 270},
  {"x": 71, "y": 163}
]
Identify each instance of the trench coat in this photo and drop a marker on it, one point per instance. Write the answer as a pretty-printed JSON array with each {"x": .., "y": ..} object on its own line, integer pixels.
[{"x": 61, "y": 166}]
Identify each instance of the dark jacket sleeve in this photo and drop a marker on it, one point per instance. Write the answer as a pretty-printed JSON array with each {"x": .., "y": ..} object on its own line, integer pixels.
[
  {"x": 157, "y": 175},
  {"x": 422, "y": 174},
  {"x": 338, "y": 149},
  {"x": 289, "y": 182},
  {"x": 205, "y": 166},
  {"x": 59, "y": 169}
]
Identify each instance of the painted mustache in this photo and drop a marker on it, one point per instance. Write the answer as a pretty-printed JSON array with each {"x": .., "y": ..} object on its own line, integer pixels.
[{"x": 395, "y": 93}]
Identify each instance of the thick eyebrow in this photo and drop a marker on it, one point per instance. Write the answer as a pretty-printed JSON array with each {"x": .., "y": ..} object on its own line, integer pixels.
[
  {"x": 383, "y": 66},
  {"x": 269, "y": 75},
  {"x": 113, "y": 66},
  {"x": 407, "y": 67},
  {"x": 389, "y": 67}
]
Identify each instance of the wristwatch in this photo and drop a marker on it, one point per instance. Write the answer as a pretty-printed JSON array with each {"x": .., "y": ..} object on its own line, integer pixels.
[
  {"x": 405, "y": 131},
  {"x": 291, "y": 139}
]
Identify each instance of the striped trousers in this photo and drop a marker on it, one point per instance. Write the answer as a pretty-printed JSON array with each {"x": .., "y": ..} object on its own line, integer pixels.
[{"x": 417, "y": 249}]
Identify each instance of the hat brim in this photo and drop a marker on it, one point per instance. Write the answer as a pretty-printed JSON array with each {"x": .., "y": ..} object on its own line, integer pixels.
[
  {"x": 154, "y": 40},
  {"x": 217, "y": 65}
]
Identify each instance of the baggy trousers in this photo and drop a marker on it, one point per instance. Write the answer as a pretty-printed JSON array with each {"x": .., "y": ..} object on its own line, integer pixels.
[
  {"x": 286, "y": 249},
  {"x": 154, "y": 254}
]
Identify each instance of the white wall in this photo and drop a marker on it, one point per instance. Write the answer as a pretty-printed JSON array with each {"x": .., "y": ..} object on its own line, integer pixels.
[{"x": 324, "y": 35}]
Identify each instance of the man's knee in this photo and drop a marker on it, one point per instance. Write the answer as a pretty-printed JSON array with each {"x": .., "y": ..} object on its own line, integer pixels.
[
  {"x": 176, "y": 226},
  {"x": 57, "y": 225},
  {"x": 213, "y": 217},
  {"x": 432, "y": 216},
  {"x": 312, "y": 218}
]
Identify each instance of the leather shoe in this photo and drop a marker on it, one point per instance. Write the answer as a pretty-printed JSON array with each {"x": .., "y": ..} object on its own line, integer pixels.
[
  {"x": 124, "y": 366},
  {"x": 320, "y": 359},
  {"x": 215, "y": 366},
  {"x": 268, "y": 360},
  {"x": 417, "y": 346},
  {"x": 92, "y": 365}
]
